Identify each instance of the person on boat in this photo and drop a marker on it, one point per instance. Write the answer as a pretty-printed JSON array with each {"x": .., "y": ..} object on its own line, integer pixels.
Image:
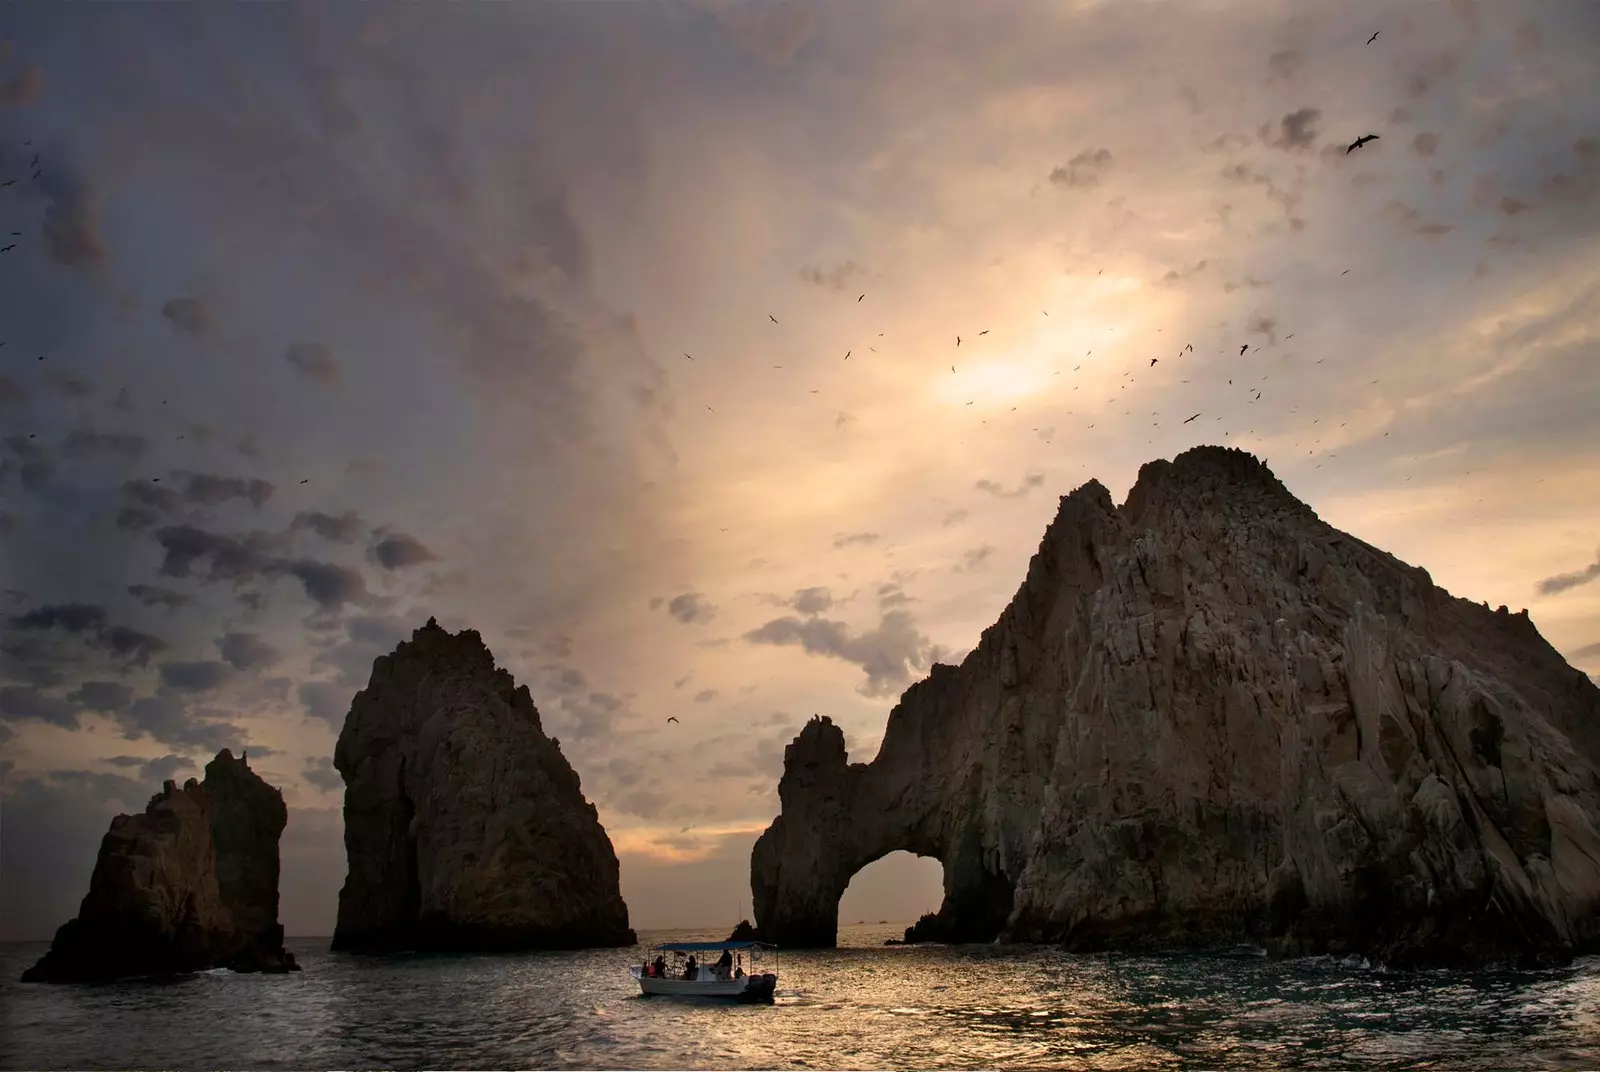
[
  {"x": 691, "y": 970},
  {"x": 660, "y": 965},
  {"x": 738, "y": 966},
  {"x": 725, "y": 964}
]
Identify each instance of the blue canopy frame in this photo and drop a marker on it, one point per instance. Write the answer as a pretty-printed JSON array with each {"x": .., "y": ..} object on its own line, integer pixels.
[{"x": 708, "y": 947}]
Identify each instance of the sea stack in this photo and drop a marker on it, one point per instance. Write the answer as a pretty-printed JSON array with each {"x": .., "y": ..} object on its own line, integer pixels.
[
  {"x": 1207, "y": 717},
  {"x": 189, "y": 885},
  {"x": 465, "y": 827}
]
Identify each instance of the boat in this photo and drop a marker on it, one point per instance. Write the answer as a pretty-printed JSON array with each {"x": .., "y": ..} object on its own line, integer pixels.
[{"x": 736, "y": 970}]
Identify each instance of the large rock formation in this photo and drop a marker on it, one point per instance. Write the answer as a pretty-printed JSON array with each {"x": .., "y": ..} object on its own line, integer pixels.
[
  {"x": 464, "y": 825},
  {"x": 1207, "y": 717},
  {"x": 189, "y": 885}
]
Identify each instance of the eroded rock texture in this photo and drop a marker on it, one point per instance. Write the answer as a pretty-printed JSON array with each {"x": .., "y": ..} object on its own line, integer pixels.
[
  {"x": 1208, "y": 717},
  {"x": 465, "y": 828},
  {"x": 191, "y": 884}
]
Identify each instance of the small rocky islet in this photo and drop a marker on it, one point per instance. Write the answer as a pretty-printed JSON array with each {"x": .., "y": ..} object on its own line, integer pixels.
[{"x": 1206, "y": 718}]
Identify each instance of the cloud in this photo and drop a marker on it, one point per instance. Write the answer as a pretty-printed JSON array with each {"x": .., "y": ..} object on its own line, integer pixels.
[
  {"x": 194, "y": 676},
  {"x": 888, "y": 654},
  {"x": 70, "y": 617},
  {"x": 160, "y": 770},
  {"x": 811, "y": 600},
  {"x": 1285, "y": 64},
  {"x": 210, "y": 490},
  {"x": 102, "y": 697},
  {"x": 72, "y": 221},
  {"x": 155, "y": 596},
  {"x": 325, "y": 700},
  {"x": 319, "y": 772},
  {"x": 1295, "y": 131},
  {"x": 705, "y": 696},
  {"x": 1583, "y": 654},
  {"x": 228, "y": 557},
  {"x": 1029, "y": 482},
  {"x": 854, "y": 539},
  {"x": 1261, "y": 324},
  {"x": 1425, "y": 144},
  {"x": 188, "y": 315},
  {"x": 22, "y": 88},
  {"x": 328, "y": 585},
  {"x": 691, "y": 608},
  {"x": 834, "y": 278},
  {"x": 12, "y": 393},
  {"x": 335, "y": 528},
  {"x": 398, "y": 551},
  {"x": 247, "y": 651},
  {"x": 1565, "y": 582},
  {"x": 315, "y": 362},
  {"x": 954, "y": 517},
  {"x": 84, "y": 443},
  {"x": 25, "y": 702},
  {"x": 1084, "y": 170},
  {"x": 971, "y": 560}
]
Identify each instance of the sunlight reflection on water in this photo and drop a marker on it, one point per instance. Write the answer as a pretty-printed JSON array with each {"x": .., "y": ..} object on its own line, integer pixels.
[{"x": 863, "y": 1007}]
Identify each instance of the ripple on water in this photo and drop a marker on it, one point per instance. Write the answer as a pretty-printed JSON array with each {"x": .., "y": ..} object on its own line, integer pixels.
[{"x": 922, "y": 1006}]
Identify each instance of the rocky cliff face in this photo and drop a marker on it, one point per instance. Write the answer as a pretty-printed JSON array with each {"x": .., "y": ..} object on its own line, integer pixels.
[
  {"x": 189, "y": 885},
  {"x": 465, "y": 827},
  {"x": 1208, "y": 717}
]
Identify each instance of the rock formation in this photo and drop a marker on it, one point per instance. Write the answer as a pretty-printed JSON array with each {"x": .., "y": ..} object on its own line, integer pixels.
[
  {"x": 1207, "y": 717},
  {"x": 189, "y": 885},
  {"x": 464, "y": 826}
]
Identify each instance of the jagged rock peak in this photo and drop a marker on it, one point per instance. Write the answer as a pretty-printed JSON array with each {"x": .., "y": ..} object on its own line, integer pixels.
[
  {"x": 190, "y": 884},
  {"x": 465, "y": 827},
  {"x": 1208, "y": 717}
]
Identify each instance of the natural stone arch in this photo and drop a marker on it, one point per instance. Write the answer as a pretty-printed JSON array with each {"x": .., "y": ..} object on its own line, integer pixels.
[{"x": 838, "y": 817}]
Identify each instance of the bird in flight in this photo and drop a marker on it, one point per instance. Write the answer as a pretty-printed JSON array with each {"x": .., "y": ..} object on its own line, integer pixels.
[
  {"x": 689, "y": 356},
  {"x": 847, "y": 354},
  {"x": 8, "y": 249},
  {"x": 1153, "y": 362},
  {"x": 985, "y": 331},
  {"x": 1243, "y": 348},
  {"x": 958, "y": 340},
  {"x": 772, "y": 318},
  {"x": 1359, "y": 142},
  {"x": 1374, "y": 36},
  {"x": 1191, "y": 418},
  {"x": 673, "y": 718},
  {"x": 306, "y": 481},
  {"x": 858, "y": 300}
]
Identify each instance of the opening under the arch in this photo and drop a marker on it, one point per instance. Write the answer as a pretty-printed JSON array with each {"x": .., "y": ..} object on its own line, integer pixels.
[{"x": 897, "y": 888}]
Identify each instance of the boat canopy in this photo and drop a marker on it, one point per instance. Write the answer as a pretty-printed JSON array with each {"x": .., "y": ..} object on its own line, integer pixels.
[{"x": 708, "y": 947}]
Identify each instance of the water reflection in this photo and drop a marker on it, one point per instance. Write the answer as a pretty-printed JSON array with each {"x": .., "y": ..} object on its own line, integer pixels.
[{"x": 858, "y": 1007}]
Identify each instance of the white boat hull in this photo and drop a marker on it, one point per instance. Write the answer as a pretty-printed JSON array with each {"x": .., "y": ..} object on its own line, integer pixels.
[{"x": 746, "y": 988}]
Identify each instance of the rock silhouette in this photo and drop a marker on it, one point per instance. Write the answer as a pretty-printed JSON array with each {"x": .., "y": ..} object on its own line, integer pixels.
[
  {"x": 1208, "y": 717},
  {"x": 465, "y": 827},
  {"x": 190, "y": 884}
]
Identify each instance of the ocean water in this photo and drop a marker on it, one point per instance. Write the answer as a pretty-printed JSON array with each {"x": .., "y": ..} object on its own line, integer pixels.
[{"x": 860, "y": 1006}]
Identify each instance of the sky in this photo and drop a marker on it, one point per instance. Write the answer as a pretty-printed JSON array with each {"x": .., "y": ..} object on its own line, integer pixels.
[{"x": 627, "y": 334}]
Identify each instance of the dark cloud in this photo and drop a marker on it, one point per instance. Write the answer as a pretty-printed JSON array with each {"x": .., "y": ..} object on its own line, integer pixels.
[
  {"x": 85, "y": 443},
  {"x": 1295, "y": 131},
  {"x": 70, "y": 617},
  {"x": 68, "y": 384},
  {"x": 195, "y": 676},
  {"x": 12, "y": 393},
  {"x": 247, "y": 651},
  {"x": 229, "y": 558},
  {"x": 22, "y": 88},
  {"x": 397, "y": 551},
  {"x": 592, "y": 716},
  {"x": 319, "y": 772},
  {"x": 1029, "y": 482},
  {"x": 132, "y": 644},
  {"x": 889, "y": 654},
  {"x": 315, "y": 362},
  {"x": 811, "y": 600},
  {"x": 892, "y": 595},
  {"x": 166, "y": 718},
  {"x": 1285, "y": 64},
  {"x": 71, "y": 220},
  {"x": 1178, "y": 275},
  {"x": 854, "y": 539},
  {"x": 336, "y": 528},
  {"x": 971, "y": 560},
  {"x": 25, "y": 702},
  {"x": 155, "y": 596},
  {"x": 834, "y": 278},
  {"x": 1262, "y": 324},
  {"x": 1425, "y": 144},
  {"x": 705, "y": 696},
  {"x": 102, "y": 697},
  {"x": 1513, "y": 206},
  {"x": 1563, "y": 582},
  {"x": 954, "y": 517},
  {"x": 163, "y": 768},
  {"x": 690, "y": 608},
  {"x": 328, "y": 585},
  {"x": 189, "y": 315},
  {"x": 325, "y": 700},
  {"x": 1084, "y": 170},
  {"x": 1588, "y": 651},
  {"x": 207, "y": 489}
]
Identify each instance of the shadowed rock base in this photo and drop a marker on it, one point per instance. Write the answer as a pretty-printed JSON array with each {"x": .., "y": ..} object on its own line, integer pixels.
[
  {"x": 190, "y": 885},
  {"x": 1207, "y": 719}
]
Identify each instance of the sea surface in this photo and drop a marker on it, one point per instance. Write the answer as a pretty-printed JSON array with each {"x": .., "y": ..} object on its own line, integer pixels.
[{"x": 861, "y": 1006}]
